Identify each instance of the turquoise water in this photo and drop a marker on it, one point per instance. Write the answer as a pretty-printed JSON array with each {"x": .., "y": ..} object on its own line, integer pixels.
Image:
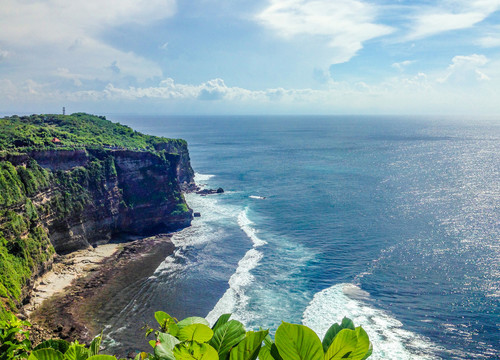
[{"x": 393, "y": 222}]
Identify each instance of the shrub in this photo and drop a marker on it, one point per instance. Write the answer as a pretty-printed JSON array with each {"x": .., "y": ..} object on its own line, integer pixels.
[{"x": 192, "y": 338}]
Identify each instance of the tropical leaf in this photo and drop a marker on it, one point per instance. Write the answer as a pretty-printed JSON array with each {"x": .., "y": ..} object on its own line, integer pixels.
[
  {"x": 195, "y": 351},
  {"x": 227, "y": 336},
  {"x": 265, "y": 353},
  {"x": 347, "y": 324},
  {"x": 56, "y": 344},
  {"x": 344, "y": 343},
  {"x": 141, "y": 356},
  {"x": 95, "y": 345},
  {"x": 298, "y": 342},
  {"x": 76, "y": 352},
  {"x": 195, "y": 332},
  {"x": 102, "y": 357},
  {"x": 166, "y": 322},
  {"x": 224, "y": 318},
  {"x": 334, "y": 330},
  {"x": 362, "y": 346},
  {"x": 330, "y": 335},
  {"x": 249, "y": 347},
  {"x": 165, "y": 345},
  {"x": 192, "y": 320},
  {"x": 46, "y": 354},
  {"x": 369, "y": 352}
]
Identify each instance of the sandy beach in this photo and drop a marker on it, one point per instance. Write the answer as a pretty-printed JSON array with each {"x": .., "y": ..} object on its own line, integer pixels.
[
  {"x": 65, "y": 270},
  {"x": 70, "y": 301}
]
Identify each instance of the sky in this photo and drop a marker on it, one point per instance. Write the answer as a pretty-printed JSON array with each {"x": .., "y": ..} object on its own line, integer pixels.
[{"x": 250, "y": 57}]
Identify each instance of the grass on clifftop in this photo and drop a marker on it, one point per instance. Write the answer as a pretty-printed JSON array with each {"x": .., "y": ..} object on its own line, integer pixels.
[{"x": 34, "y": 132}]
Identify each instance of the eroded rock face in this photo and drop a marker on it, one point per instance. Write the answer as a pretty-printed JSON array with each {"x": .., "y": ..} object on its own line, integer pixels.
[
  {"x": 143, "y": 196},
  {"x": 61, "y": 159}
]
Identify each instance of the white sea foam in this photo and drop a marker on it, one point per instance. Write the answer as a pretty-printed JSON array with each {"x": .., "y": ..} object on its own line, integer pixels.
[
  {"x": 257, "y": 197},
  {"x": 203, "y": 230},
  {"x": 390, "y": 340},
  {"x": 202, "y": 177},
  {"x": 235, "y": 299},
  {"x": 246, "y": 225}
]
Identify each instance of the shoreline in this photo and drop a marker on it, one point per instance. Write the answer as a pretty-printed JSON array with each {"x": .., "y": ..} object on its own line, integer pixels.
[
  {"x": 66, "y": 269},
  {"x": 68, "y": 301}
]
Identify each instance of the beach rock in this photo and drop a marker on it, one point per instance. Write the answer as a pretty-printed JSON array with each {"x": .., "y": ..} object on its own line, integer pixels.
[
  {"x": 204, "y": 192},
  {"x": 196, "y": 214}
]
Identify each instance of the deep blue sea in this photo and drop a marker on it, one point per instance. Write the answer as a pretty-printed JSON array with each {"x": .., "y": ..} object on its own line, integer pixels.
[{"x": 391, "y": 221}]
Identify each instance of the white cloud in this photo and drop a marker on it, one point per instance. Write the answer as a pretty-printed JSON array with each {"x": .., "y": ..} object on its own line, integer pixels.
[
  {"x": 489, "y": 41},
  {"x": 490, "y": 37},
  {"x": 459, "y": 87},
  {"x": 465, "y": 70},
  {"x": 451, "y": 15},
  {"x": 4, "y": 54},
  {"x": 342, "y": 25},
  {"x": 402, "y": 65},
  {"x": 52, "y": 34}
]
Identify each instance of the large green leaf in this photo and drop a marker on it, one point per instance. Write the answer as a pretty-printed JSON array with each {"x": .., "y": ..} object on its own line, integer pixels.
[
  {"x": 56, "y": 344},
  {"x": 249, "y": 347},
  {"x": 344, "y": 343},
  {"x": 102, "y": 357},
  {"x": 224, "y": 318},
  {"x": 298, "y": 342},
  {"x": 95, "y": 345},
  {"x": 192, "y": 320},
  {"x": 195, "y": 351},
  {"x": 227, "y": 336},
  {"x": 265, "y": 353},
  {"x": 166, "y": 322},
  {"x": 362, "y": 346},
  {"x": 368, "y": 353},
  {"x": 46, "y": 354},
  {"x": 165, "y": 345},
  {"x": 334, "y": 330},
  {"x": 330, "y": 335},
  {"x": 347, "y": 324},
  {"x": 195, "y": 332},
  {"x": 76, "y": 352}
]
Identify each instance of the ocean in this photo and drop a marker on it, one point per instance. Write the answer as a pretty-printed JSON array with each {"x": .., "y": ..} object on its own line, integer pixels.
[{"x": 393, "y": 222}]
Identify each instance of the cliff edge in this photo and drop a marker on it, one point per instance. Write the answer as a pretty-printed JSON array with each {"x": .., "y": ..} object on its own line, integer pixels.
[{"x": 67, "y": 182}]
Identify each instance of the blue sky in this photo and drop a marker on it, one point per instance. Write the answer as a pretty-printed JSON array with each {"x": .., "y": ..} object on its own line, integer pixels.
[{"x": 250, "y": 57}]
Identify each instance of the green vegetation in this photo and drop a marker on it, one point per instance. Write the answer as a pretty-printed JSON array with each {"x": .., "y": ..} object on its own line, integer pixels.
[
  {"x": 30, "y": 194},
  {"x": 36, "y": 132},
  {"x": 193, "y": 339},
  {"x": 24, "y": 243}
]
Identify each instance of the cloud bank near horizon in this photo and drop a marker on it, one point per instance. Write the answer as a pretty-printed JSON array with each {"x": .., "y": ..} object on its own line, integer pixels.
[{"x": 275, "y": 56}]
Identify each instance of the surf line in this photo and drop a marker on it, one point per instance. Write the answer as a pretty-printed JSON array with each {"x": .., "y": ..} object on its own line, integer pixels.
[{"x": 234, "y": 299}]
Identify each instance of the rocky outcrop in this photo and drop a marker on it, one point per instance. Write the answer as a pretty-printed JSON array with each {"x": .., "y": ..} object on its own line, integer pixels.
[
  {"x": 185, "y": 173},
  {"x": 61, "y": 159}
]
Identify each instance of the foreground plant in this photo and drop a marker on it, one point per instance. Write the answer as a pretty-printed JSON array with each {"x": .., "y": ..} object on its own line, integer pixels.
[{"x": 194, "y": 339}]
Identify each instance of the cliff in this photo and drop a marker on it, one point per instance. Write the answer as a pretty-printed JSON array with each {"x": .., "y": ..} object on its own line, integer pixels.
[{"x": 57, "y": 199}]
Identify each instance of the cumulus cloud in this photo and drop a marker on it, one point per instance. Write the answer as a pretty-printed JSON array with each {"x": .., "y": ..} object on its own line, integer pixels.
[
  {"x": 465, "y": 69},
  {"x": 451, "y": 15},
  {"x": 343, "y": 25}
]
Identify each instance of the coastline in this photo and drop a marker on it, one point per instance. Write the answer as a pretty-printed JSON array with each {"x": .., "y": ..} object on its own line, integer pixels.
[{"x": 68, "y": 301}]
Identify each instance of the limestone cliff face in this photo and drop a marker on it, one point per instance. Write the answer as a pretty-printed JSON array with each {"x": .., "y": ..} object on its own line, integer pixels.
[{"x": 112, "y": 192}]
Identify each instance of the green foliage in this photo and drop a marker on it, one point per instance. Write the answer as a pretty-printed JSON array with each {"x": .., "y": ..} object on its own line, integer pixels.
[
  {"x": 24, "y": 243},
  {"x": 77, "y": 130},
  {"x": 180, "y": 209},
  {"x": 14, "y": 339},
  {"x": 194, "y": 340}
]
